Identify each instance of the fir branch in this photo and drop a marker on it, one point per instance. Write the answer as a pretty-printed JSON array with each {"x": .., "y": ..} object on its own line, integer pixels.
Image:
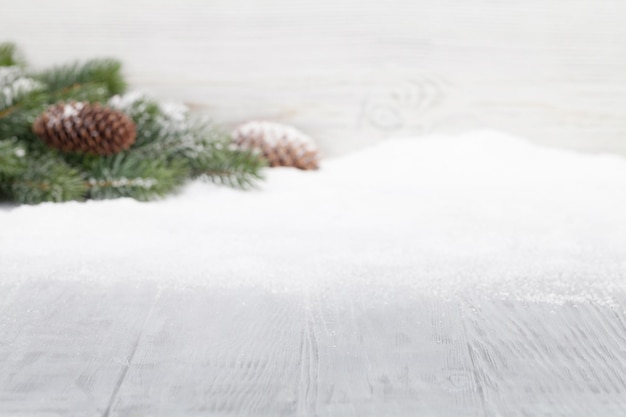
[
  {"x": 9, "y": 55},
  {"x": 46, "y": 178},
  {"x": 174, "y": 133},
  {"x": 18, "y": 122},
  {"x": 15, "y": 87},
  {"x": 125, "y": 175},
  {"x": 160, "y": 128},
  {"x": 89, "y": 92},
  {"x": 224, "y": 165},
  {"x": 171, "y": 145},
  {"x": 12, "y": 157},
  {"x": 26, "y": 97},
  {"x": 104, "y": 74}
]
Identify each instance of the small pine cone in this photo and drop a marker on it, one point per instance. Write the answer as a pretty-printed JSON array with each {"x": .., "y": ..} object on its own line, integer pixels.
[
  {"x": 281, "y": 145},
  {"x": 85, "y": 128}
]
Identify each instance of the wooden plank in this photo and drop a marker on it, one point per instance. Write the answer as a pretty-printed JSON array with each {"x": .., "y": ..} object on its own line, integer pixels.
[
  {"x": 64, "y": 345},
  {"x": 252, "y": 352},
  {"x": 9, "y": 290},
  {"x": 125, "y": 349},
  {"x": 356, "y": 71},
  {"x": 388, "y": 352},
  {"x": 541, "y": 359},
  {"x": 218, "y": 352}
]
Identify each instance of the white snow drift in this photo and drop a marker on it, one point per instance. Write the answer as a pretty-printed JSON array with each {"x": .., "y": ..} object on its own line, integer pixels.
[{"x": 440, "y": 215}]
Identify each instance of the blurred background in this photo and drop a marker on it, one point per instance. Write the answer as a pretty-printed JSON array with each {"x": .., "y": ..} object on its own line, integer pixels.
[{"x": 353, "y": 72}]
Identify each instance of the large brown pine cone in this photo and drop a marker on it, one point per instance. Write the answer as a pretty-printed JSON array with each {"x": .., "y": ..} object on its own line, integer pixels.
[
  {"x": 85, "y": 128},
  {"x": 281, "y": 145}
]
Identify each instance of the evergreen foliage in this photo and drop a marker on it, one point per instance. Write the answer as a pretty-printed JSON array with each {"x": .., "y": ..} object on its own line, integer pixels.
[
  {"x": 171, "y": 146},
  {"x": 9, "y": 56}
]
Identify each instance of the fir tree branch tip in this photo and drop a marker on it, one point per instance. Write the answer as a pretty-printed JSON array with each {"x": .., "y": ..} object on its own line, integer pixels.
[{"x": 172, "y": 146}]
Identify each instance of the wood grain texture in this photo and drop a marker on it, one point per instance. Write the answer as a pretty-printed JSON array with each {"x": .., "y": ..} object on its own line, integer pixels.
[
  {"x": 216, "y": 353},
  {"x": 63, "y": 348},
  {"x": 353, "y": 72},
  {"x": 536, "y": 359},
  {"x": 131, "y": 349}
]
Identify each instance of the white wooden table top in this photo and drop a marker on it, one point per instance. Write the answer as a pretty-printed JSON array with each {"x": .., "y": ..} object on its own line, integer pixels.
[{"x": 137, "y": 349}]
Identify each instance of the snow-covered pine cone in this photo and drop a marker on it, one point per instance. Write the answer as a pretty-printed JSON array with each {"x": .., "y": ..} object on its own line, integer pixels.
[
  {"x": 281, "y": 145},
  {"x": 85, "y": 128}
]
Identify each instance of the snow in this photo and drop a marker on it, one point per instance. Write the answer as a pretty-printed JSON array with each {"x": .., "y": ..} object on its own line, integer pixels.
[
  {"x": 62, "y": 113},
  {"x": 145, "y": 183},
  {"x": 126, "y": 101},
  {"x": 14, "y": 84},
  {"x": 272, "y": 134},
  {"x": 482, "y": 211},
  {"x": 72, "y": 109}
]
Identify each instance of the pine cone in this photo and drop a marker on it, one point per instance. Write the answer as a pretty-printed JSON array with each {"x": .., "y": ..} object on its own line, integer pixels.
[
  {"x": 85, "y": 128},
  {"x": 281, "y": 145}
]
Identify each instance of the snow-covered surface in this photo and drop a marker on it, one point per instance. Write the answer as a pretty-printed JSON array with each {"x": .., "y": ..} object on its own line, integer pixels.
[
  {"x": 463, "y": 276},
  {"x": 438, "y": 214}
]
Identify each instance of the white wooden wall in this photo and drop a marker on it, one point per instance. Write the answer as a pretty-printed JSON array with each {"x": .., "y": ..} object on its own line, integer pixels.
[{"x": 351, "y": 72}]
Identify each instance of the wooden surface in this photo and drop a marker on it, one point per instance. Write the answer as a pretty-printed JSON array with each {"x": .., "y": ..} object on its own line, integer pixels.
[
  {"x": 136, "y": 349},
  {"x": 353, "y": 72}
]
